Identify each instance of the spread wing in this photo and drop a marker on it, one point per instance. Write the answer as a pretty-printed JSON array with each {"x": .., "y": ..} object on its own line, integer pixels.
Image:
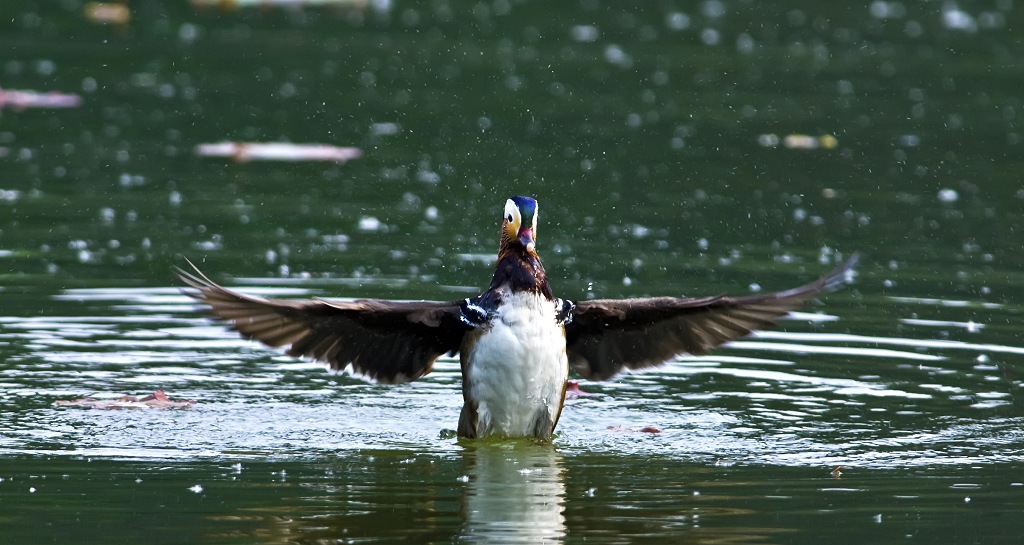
[
  {"x": 386, "y": 341},
  {"x": 608, "y": 335}
]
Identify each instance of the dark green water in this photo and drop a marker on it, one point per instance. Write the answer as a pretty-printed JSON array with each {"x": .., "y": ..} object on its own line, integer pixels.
[{"x": 643, "y": 134}]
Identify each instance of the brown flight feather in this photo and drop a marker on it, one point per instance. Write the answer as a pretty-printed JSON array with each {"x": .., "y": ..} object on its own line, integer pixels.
[{"x": 387, "y": 341}]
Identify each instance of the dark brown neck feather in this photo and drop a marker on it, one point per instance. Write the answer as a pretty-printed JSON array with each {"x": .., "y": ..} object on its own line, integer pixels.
[{"x": 521, "y": 270}]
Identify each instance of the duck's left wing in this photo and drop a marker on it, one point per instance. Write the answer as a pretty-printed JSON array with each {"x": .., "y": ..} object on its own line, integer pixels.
[
  {"x": 386, "y": 341},
  {"x": 606, "y": 336}
]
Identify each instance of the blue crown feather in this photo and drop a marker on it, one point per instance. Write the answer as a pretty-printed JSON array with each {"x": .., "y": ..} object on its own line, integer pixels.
[{"x": 527, "y": 208}]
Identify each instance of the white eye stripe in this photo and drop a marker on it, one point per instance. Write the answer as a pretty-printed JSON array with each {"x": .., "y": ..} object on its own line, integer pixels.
[{"x": 512, "y": 213}]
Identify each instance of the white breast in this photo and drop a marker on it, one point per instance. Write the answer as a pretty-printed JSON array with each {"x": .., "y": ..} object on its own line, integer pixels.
[{"x": 517, "y": 369}]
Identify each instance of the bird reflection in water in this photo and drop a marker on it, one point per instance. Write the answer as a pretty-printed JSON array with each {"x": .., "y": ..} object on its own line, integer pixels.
[{"x": 515, "y": 493}]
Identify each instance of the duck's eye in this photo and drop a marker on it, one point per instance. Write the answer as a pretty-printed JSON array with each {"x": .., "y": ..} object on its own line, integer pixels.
[{"x": 509, "y": 218}]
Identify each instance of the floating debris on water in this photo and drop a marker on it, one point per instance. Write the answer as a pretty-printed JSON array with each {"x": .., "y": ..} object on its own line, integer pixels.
[
  {"x": 798, "y": 141},
  {"x": 108, "y": 13},
  {"x": 370, "y": 224},
  {"x": 20, "y": 100},
  {"x": 645, "y": 429},
  {"x": 236, "y": 4},
  {"x": 572, "y": 390},
  {"x": 156, "y": 400},
  {"x": 948, "y": 195},
  {"x": 955, "y": 18},
  {"x": 385, "y": 129},
  {"x": 278, "y": 151}
]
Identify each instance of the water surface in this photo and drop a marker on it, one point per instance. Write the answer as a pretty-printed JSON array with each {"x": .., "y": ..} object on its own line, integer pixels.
[{"x": 655, "y": 141}]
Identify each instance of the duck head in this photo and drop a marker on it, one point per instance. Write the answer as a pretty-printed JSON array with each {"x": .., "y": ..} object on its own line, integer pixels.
[{"x": 519, "y": 226}]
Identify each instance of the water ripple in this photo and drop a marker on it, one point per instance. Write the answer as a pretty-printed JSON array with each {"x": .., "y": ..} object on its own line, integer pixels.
[{"x": 834, "y": 398}]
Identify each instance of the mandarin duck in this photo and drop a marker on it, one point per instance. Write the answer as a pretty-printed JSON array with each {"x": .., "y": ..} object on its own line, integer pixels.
[{"x": 516, "y": 341}]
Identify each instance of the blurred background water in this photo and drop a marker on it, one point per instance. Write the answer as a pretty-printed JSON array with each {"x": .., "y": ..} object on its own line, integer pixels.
[{"x": 676, "y": 148}]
